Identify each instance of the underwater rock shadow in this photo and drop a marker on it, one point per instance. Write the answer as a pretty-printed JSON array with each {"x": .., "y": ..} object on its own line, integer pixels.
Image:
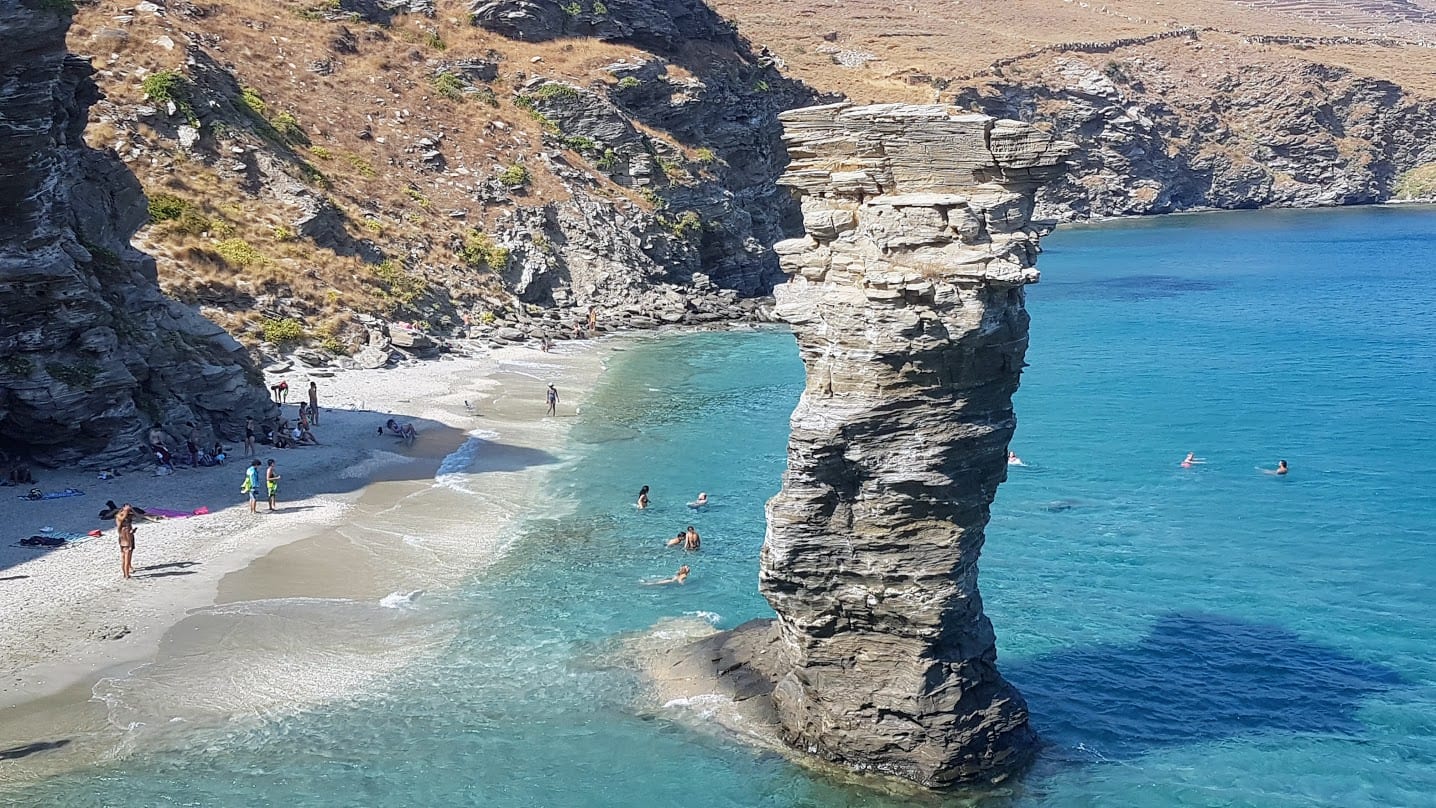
[{"x": 1194, "y": 678}]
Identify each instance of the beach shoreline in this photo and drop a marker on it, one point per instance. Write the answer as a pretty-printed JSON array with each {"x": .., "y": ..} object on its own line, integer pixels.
[{"x": 74, "y": 627}]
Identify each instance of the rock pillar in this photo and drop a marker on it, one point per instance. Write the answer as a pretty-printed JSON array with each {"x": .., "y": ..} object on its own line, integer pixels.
[{"x": 906, "y": 298}]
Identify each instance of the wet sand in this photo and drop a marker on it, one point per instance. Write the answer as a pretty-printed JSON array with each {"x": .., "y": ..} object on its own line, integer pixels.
[{"x": 232, "y": 615}]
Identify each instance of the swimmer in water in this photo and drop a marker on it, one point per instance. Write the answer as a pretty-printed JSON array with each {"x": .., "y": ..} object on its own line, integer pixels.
[
  {"x": 677, "y": 540},
  {"x": 643, "y": 497},
  {"x": 700, "y": 501},
  {"x": 691, "y": 541},
  {"x": 1013, "y": 459},
  {"x": 678, "y": 577},
  {"x": 1281, "y": 467},
  {"x": 1191, "y": 460}
]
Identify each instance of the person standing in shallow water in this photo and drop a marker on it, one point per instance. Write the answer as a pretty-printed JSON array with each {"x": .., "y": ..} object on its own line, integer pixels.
[
  {"x": 271, "y": 482},
  {"x": 643, "y": 497},
  {"x": 552, "y": 396}
]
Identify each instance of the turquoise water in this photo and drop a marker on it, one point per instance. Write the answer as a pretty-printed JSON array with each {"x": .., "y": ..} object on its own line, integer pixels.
[{"x": 1193, "y": 637}]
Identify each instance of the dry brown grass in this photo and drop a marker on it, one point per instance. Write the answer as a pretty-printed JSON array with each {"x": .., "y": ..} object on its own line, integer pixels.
[{"x": 362, "y": 120}]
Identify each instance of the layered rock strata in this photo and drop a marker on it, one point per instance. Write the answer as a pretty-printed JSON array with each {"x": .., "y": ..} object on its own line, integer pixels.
[
  {"x": 91, "y": 354},
  {"x": 906, "y": 298}
]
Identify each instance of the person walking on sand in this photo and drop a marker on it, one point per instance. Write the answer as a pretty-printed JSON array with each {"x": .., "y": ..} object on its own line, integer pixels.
[
  {"x": 284, "y": 392},
  {"x": 552, "y": 396},
  {"x": 271, "y": 482},
  {"x": 125, "y": 524},
  {"x": 313, "y": 403}
]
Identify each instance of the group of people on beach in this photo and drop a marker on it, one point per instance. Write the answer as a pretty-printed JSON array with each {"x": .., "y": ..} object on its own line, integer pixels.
[{"x": 688, "y": 538}]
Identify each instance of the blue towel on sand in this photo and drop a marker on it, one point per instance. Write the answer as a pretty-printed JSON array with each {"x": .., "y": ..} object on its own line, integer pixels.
[{"x": 68, "y": 492}]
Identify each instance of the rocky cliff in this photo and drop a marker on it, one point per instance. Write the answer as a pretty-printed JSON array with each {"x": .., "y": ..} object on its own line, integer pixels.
[
  {"x": 906, "y": 298},
  {"x": 1193, "y": 122},
  {"x": 91, "y": 354}
]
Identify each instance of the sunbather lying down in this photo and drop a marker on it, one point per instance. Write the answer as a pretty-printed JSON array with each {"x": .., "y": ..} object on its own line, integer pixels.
[{"x": 405, "y": 431}]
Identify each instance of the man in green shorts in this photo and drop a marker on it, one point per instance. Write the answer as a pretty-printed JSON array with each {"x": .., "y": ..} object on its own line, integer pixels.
[{"x": 271, "y": 481}]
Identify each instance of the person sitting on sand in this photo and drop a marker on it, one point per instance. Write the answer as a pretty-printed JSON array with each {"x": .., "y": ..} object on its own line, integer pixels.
[
  {"x": 681, "y": 576},
  {"x": 643, "y": 497},
  {"x": 162, "y": 457},
  {"x": 303, "y": 437},
  {"x": 700, "y": 501}
]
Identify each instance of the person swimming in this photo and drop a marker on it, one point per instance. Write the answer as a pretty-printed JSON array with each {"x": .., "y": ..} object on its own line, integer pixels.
[
  {"x": 1281, "y": 467},
  {"x": 700, "y": 501},
  {"x": 643, "y": 497},
  {"x": 681, "y": 576},
  {"x": 677, "y": 540},
  {"x": 1191, "y": 460},
  {"x": 1013, "y": 459}
]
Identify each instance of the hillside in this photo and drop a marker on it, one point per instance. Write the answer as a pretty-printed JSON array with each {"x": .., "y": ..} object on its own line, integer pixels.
[
  {"x": 1175, "y": 106},
  {"x": 314, "y": 160}
]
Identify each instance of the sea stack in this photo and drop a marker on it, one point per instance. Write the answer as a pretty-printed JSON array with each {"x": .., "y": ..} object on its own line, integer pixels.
[{"x": 906, "y": 298}]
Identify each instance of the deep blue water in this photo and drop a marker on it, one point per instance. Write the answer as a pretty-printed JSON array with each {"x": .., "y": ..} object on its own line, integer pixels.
[{"x": 1185, "y": 637}]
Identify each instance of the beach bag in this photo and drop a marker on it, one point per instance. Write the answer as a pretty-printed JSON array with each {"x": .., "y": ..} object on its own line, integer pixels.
[{"x": 245, "y": 486}]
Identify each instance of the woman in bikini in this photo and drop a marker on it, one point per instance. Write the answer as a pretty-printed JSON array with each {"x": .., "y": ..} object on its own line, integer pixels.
[{"x": 125, "y": 523}]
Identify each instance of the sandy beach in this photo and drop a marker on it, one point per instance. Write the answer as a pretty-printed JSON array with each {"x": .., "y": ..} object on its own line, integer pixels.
[{"x": 86, "y": 657}]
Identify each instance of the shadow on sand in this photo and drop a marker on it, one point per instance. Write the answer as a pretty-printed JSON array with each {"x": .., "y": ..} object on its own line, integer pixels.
[
  {"x": 78, "y": 514},
  {"x": 1194, "y": 678}
]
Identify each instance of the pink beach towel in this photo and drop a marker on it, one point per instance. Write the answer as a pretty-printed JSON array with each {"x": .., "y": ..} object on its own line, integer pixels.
[{"x": 171, "y": 514}]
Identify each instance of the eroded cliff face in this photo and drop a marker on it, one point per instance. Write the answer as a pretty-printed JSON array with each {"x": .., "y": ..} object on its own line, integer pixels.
[
  {"x": 906, "y": 298},
  {"x": 91, "y": 353}
]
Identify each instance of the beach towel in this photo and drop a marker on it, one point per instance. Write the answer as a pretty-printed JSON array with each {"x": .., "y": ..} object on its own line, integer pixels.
[
  {"x": 58, "y": 538},
  {"x": 173, "y": 514},
  {"x": 68, "y": 492}
]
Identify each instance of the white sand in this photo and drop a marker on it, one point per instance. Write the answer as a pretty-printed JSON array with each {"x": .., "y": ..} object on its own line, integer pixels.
[{"x": 64, "y": 607}]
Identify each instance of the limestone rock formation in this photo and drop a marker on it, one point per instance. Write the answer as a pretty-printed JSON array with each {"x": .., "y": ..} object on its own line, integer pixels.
[
  {"x": 91, "y": 353},
  {"x": 906, "y": 300}
]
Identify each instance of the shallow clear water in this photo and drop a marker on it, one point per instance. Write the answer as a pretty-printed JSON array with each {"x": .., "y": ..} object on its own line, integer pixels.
[{"x": 1203, "y": 636}]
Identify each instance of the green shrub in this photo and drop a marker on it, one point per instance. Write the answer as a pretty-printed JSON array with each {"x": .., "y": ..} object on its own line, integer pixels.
[
  {"x": 449, "y": 86},
  {"x": 760, "y": 86},
  {"x": 397, "y": 286},
  {"x": 433, "y": 40},
  {"x": 238, "y": 253},
  {"x": 672, "y": 169},
  {"x": 686, "y": 226},
  {"x": 479, "y": 251},
  {"x": 705, "y": 156},
  {"x": 1418, "y": 183},
  {"x": 628, "y": 83},
  {"x": 572, "y": 9},
  {"x": 485, "y": 95},
  {"x": 253, "y": 101},
  {"x": 607, "y": 161},
  {"x": 321, "y": 152},
  {"x": 164, "y": 207},
  {"x": 515, "y": 176},
  {"x": 193, "y": 222},
  {"x": 360, "y": 165},
  {"x": 79, "y": 375},
  {"x": 283, "y": 233},
  {"x": 288, "y": 128},
  {"x": 488, "y": 318},
  {"x": 169, "y": 87},
  {"x": 579, "y": 143},
  {"x": 282, "y": 331},
  {"x": 556, "y": 91},
  {"x": 599, "y": 8},
  {"x": 17, "y": 366},
  {"x": 414, "y": 194}
]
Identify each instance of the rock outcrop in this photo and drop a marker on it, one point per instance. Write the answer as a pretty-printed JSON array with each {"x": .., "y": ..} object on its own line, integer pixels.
[
  {"x": 906, "y": 298},
  {"x": 1157, "y": 136},
  {"x": 91, "y": 353}
]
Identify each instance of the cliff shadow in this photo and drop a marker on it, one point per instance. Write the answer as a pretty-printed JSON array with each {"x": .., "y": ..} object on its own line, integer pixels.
[{"x": 1194, "y": 678}]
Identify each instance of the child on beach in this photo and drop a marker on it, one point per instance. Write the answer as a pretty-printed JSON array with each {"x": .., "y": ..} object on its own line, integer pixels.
[{"x": 271, "y": 482}]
